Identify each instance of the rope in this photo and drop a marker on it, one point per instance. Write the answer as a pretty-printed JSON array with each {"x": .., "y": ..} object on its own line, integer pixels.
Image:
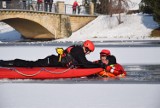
[
  {"x": 28, "y": 75},
  {"x": 31, "y": 75},
  {"x": 54, "y": 72}
]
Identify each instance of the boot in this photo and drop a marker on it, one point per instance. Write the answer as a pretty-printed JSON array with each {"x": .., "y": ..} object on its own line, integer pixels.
[
  {"x": 0, "y": 62},
  {"x": 6, "y": 63}
]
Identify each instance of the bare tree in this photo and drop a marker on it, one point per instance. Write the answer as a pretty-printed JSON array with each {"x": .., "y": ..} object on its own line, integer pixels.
[
  {"x": 111, "y": 7},
  {"x": 118, "y": 7},
  {"x": 101, "y": 6}
]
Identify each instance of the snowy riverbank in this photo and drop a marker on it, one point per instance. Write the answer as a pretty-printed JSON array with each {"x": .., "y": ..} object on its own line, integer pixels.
[
  {"x": 102, "y": 28},
  {"x": 136, "y": 26}
]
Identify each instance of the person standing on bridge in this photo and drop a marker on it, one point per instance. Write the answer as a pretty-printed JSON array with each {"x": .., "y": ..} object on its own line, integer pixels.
[
  {"x": 74, "y": 7},
  {"x": 24, "y": 4},
  {"x": 48, "y": 3},
  {"x": 40, "y": 5},
  {"x": 32, "y": 5}
]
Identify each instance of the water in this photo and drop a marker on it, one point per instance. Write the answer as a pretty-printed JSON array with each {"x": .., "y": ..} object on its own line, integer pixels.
[{"x": 143, "y": 73}]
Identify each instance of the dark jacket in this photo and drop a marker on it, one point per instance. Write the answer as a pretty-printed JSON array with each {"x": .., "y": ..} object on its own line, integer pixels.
[
  {"x": 79, "y": 56},
  {"x": 49, "y": 1},
  {"x": 76, "y": 53}
]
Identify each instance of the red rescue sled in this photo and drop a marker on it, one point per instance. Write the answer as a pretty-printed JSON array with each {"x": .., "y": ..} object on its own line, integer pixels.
[{"x": 45, "y": 72}]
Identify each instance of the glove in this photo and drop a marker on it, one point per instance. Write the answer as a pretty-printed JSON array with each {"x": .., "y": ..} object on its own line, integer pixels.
[
  {"x": 108, "y": 68},
  {"x": 112, "y": 70},
  {"x": 102, "y": 65}
]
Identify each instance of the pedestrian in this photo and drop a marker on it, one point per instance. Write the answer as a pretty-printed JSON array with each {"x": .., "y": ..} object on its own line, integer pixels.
[
  {"x": 34, "y": 3},
  {"x": 73, "y": 56},
  {"x": 8, "y": 4},
  {"x": 74, "y": 7},
  {"x": 46, "y": 5},
  {"x": 79, "y": 9},
  {"x": 24, "y": 4},
  {"x": 40, "y": 5},
  {"x": 50, "y": 2},
  {"x": 30, "y": 5}
]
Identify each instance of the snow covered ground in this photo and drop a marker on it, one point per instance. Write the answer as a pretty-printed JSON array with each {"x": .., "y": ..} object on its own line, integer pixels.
[{"x": 137, "y": 26}]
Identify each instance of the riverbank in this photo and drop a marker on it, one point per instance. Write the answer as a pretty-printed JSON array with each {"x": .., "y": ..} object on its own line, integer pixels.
[
  {"x": 134, "y": 27},
  {"x": 156, "y": 33}
]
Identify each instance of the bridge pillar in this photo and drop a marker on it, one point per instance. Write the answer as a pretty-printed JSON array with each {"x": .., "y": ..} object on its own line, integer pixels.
[
  {"x": 60, "y": 7},
  {"x": 91, "y": 9},
  {"x": 65, "y": 26}
]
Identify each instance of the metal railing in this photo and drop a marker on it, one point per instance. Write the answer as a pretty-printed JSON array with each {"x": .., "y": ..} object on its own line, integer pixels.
[
  {"x": 33, "y": 6},
  {"x": 81, "y": 9}
]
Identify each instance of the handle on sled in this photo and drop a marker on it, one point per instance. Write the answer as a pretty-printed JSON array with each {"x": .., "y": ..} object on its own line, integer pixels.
[{"x": 60, "y": 52}]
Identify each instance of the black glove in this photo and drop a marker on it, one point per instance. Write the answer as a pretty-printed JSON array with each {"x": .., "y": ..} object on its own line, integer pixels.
[{"x": 102, "y": 65}]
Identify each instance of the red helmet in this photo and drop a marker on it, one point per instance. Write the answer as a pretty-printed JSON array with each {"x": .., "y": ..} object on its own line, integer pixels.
[
  {"x": 89, "y": 44},
  {"x": 105, "y": 52}
]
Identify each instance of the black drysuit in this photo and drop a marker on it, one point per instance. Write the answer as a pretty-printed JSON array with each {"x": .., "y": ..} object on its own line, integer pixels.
[{"x": 77, "y": 54}]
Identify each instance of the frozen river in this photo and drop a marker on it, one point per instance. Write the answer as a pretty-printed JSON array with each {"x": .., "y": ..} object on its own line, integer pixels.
[
  {"x": 140, "y": 89},
  {"x": 141, "y": 59}
]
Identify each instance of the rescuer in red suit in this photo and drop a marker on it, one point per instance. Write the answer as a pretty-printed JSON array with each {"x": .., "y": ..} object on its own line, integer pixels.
[
  {"x": 113, "y": 68},
  {"x": 110, "y": 65}
]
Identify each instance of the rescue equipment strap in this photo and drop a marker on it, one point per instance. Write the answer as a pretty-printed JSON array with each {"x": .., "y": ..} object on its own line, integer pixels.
[
  {"x": 60, "y": 52},
  {"x": 42, "y": 69}
]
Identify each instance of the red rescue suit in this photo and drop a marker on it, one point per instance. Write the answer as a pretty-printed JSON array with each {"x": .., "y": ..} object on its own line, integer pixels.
[{"x": 113, "y": 70}]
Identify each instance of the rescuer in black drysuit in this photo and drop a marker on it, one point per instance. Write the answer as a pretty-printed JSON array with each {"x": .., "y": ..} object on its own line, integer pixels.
[{"x": 72, "y": 56}]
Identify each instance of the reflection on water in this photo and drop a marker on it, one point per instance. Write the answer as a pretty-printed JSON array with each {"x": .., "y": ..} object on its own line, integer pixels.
[{"x": 137, "y": 74}]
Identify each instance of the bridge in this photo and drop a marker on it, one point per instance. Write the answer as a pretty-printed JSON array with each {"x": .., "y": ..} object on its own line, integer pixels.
[{"x": 38, "y": 25}]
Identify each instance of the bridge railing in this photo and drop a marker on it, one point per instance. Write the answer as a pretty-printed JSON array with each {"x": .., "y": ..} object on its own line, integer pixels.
[
  {"x": 81, "y": 9},
  {"x": 34, "y": 6}
]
